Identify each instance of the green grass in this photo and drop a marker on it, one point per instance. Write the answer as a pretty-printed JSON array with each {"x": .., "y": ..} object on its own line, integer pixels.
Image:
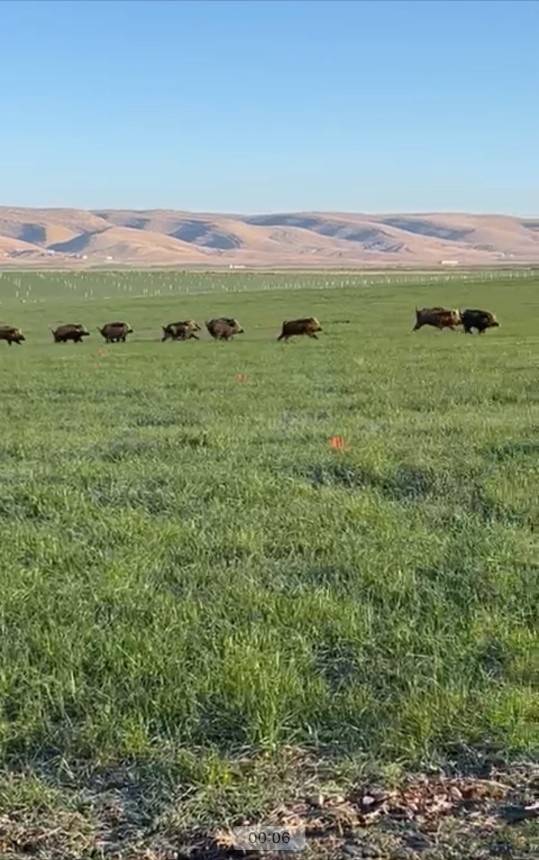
[{"x": 189, "y": 569}]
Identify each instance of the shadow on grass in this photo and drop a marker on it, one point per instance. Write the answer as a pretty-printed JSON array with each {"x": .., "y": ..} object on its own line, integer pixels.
[
  {"x": 514, "y": 450},
  {"x": 411, "y": 483},
  {"x": 126, "y": 449}
]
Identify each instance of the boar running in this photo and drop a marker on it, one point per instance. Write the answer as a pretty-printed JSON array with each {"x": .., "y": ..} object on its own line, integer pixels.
[
  {"x": 115, "y": 332},
  {"x": 224, "y": 328},
  {"x": 70, "y": 331},
  {"x": 307, "y": 326},
  {"x": 11, "y": 334},
  {"x": 478, "y": 320},
  {"x": 439, "y": 318},
  {"x": 182, "y": 330}
]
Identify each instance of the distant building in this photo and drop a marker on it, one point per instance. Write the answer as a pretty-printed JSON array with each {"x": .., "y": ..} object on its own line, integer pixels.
[{"x": 449, "y": 262}]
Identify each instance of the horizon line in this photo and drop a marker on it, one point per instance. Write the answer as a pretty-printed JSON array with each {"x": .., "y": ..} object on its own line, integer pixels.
[{"x": 261, "y": 213}]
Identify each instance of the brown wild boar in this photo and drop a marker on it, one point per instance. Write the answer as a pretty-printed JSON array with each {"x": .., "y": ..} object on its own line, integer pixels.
[
  {"x": 70, "y": 331},
  {"x": 479, "y": 320},
  {"x": 308, "y": 326},
  {"x": 224, "y": 328},
  {"x": 182, "y": 330},
  {"x": 439, "y": 318},
  {"x": 11, "y": 334},
  {"x": 115, "y": 332}
]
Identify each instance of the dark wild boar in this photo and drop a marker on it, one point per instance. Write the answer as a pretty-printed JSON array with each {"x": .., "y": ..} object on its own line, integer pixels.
[
  {"x": 439, "y": 318},
  {"x": 308, "y": 326},
  {"x": 224, "y": 328},
  {"x": 182, "y": 330},
  {"x": 115, "y": 332},
  {"x": 11, "y": 334},
  {"x": 478, "y": 320},
  {"x": 70, "y": 331}
]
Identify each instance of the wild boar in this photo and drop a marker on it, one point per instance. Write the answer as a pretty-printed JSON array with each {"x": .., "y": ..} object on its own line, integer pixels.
[
  {"x": 224, "y": 328},
  {"x": 70, "y": 331},
  {"x": 182, "y": 330},
  {"x": 479, "y": 320},
  {"x": 115, "y": 332},
  {"x": 308, "y": 326},
  {"x": 439, "y": 318},
  {"x": 11, "y": 334}
]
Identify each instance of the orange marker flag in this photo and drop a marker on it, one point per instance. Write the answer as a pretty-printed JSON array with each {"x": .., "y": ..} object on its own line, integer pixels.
[{"x": 337, "y": 442}]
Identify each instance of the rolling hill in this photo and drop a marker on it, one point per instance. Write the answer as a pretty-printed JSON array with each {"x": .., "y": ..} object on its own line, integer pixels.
[{"x": 158, "y": 237}]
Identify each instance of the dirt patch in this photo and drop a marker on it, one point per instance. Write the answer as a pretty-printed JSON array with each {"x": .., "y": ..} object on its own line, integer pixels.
[{"x": 127, "y": 815}]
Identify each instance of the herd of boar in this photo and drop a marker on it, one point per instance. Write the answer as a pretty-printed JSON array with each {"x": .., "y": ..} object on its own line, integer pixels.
[
  {"x": 224, "y": 328},
  {"x": 469, "y": 319}
]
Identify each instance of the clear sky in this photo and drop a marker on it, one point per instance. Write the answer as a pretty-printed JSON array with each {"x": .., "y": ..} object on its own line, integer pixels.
[{"x": 271, "y": 105}]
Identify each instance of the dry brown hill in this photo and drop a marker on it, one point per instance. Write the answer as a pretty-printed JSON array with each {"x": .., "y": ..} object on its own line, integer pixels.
[{"x": 158, "y": 237}]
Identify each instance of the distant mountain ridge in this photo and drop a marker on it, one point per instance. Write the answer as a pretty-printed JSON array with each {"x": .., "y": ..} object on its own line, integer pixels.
[{"x": 163, "y": 237}]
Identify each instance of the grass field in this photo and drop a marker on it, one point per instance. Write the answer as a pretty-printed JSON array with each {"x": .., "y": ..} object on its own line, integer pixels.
[{"x": 195, "y": 584}]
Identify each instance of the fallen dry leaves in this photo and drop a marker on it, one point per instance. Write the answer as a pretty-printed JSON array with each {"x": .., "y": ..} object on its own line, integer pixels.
[
  {"x": 436, "y": 817},
  {"x": 416, "y": 808}
]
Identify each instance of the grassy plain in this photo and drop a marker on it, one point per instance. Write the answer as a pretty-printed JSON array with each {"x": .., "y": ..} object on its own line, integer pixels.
[{"x": 192, "y": 577}]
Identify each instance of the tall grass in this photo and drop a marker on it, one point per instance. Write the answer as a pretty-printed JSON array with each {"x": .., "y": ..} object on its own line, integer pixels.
[{"x": 187, "y": 562}]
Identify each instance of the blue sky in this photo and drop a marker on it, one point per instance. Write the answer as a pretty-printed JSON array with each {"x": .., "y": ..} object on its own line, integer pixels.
[{"x": 258, "y": 106}]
